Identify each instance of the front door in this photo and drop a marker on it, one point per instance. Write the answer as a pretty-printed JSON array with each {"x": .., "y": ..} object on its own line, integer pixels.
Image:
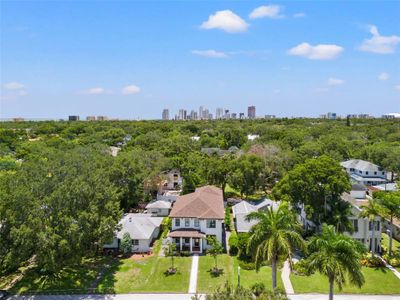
[{"x": 196, "y": 242}]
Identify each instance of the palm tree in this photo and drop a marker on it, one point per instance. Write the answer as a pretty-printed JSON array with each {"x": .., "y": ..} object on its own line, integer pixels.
[
  {"x": 276, "y": 235},
  {"x": 390, "y": 203},
  {"x": 371, "y": 211},
  {"x": 336, "y": 255}
]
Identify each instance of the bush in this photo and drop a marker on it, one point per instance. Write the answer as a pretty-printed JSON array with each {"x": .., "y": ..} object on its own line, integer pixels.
[
  {"x": 300, "y": 268},
  {"x": 394, "y": 261},
  {"x": 369, "y": 261},
  {"x": 243, "y": 239},
  {"x": 258, "y": 288},
  {"x": 233, "y": 244},
  {"x": 247, "y": 265},
  {"x": 184, "y": 253},
  {"x": 227, "y": 220}
]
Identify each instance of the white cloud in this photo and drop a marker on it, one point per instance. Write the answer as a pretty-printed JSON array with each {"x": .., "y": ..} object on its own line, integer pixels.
[
  {"x": 317, "y": 52},
  {"x": 267, "y": 11},
  {"x": 383, "y": 76},
  {"x": 299, "y": 15},
  {"x": 95, "y": 91},
  {"x": 335, "y": 81},
  {"x": 225, "y": 20},
  {"x": 14, "y": 86},
  {"x": 130, "y": 90},
  {"x": 378, "y": 43},
  {"x": 210, "y": 53}
]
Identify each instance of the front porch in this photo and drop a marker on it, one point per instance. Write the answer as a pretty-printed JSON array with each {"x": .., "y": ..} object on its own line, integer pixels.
[{"x": 188, "y": 240}]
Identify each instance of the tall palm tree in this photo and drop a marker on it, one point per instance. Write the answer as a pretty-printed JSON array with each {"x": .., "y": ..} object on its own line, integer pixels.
[
  {"x": 335, "y": 256},
  {"x": 390, "y": 203},
  {"x": 371, "y": 211},
  {"x": 276, "y": 235}
]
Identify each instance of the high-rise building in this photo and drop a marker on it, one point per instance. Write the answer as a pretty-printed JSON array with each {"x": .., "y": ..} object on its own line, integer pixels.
[
  {"x": 201, "y": 113},
  {"x": 219, "y": 113},
  {"x": 331, "y": 116},
  {"x": 182, "y": 115},
  {"x": 251, "y": 112},
  {"x": 206, "y": 114},
  {"x": 73, "y": 118},
  {"x": 102, "y": 118},
  {"x": 165, "y": 114},
  {"x": 241, "y": 115},
  {"x": 233, "y": 115},
  {"x": 91, "y": 118},
  {"x": 227, "y": 114},
  {"x": 193, "y": 115}
]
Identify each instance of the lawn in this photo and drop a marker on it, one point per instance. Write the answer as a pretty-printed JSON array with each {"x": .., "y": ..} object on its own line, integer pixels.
[
  {"x": 377, "y": 281},
  {"x": 206, "y": 282},
  {"x": 128, "y": 275},
  {"x": 74, "y": 278}
]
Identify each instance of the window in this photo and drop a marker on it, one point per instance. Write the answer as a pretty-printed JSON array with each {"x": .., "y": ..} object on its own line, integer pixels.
[
  {"x": 375, "y": 173},
  {"x": 187, "y": 222},
  {"x": 211, "y": 224},
  {"x": 355, "y": 224},
  {"x": 135, "y": 242},
  {"x": 187, "y": 240},
  {"x": 383, "y": 173},
  {"x": 377, "y": 225},
  {"x": 366, "y": 172},
  {"x": 177, "y": 222},
  {"x": 360, "y": 172},
  {"x": 177, "y": 240},
  {"x": 196, "y": 223}
]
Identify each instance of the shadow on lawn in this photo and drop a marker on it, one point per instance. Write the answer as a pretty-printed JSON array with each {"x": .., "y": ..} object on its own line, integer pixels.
[{"x": 215, "y": 272}]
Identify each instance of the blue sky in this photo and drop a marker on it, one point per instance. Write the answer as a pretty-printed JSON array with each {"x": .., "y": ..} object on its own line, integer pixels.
[{"x": 131, "y": 59}]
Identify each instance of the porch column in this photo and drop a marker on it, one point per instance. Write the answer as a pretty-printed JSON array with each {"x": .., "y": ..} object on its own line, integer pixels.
[
  {"x": 201, "y": 245},
  {"x": 191, "y": 244},
  {"x": 180, "y": 244}
]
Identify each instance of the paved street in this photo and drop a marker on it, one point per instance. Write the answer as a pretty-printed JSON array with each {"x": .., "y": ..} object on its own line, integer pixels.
[{"x": 343, "y": 297}]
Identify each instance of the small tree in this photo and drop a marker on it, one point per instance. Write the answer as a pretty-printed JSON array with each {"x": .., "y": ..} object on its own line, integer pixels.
[
  {"x": 126, "y": 243},
  {"x": 169, "y": 251},
  {"x": 214, "y": 251}
]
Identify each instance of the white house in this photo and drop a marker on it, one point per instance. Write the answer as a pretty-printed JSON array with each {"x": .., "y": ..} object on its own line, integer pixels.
[
  {"x": 143, "y": 229},
  {"x": 364, "y": 172},
  {"x": 242, "y": 209},
  {"x": 173, "y": 180},
  {"x": 358, "y": 191},
  {"x": 252, "y": 137},
  {"x": 196, "y": 216},
  {"x": 159, "y": 208}
]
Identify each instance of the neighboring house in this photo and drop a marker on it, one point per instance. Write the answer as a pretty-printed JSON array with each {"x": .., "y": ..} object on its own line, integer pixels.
[
  {"x": 252, "y": 137},
  {"x": 143, "y": 229},
  {"x": 364, "y": 172},
  {"x": 221, "y": 152},
  {"x": 242, "y": 209},
  {"x": 159, "y": 208},
  {"x": 358, "y": 191},
  {"x": 362, "y": 226},
  {"x": 387, "y": 187},
  {"x": 173, "y": 180},
  {"x": 196, "y": 216}
]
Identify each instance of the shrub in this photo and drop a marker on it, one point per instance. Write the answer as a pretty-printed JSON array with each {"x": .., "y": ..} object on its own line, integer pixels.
[
  {"x": 394, "y": 261},
  {"x": 233, "y": 244},
  {"x": 243, "y": 239},
  {"x": 227, "y": 220},
  {"x": 247, "y": 265},
  {"x": 258, "y": 288},
  {"x": 369, "y": 261},
  {"x": 300, "y": 268},
  {"x": 185, "y": 253}
]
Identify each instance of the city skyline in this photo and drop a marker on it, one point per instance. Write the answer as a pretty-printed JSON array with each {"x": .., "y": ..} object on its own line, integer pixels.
[{"x": 131, "y": 59}]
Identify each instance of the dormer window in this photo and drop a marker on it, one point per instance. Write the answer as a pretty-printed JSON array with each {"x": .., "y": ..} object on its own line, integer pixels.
[
  {"x": 187, "y": 222},
  {"x": 196, "y": 223},
  {"x": 177, "y": 222}
]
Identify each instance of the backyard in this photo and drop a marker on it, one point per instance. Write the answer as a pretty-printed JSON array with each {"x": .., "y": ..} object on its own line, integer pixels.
[{"x": 377, "y": 281}]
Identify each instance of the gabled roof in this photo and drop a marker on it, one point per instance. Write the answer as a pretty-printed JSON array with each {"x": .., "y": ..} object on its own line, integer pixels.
[
  {"x": 159, "y": 204},
  {"x": 360, "y": 164},
  {"x": 139, "y": 226},
  {"x": 205, "y": 203}
]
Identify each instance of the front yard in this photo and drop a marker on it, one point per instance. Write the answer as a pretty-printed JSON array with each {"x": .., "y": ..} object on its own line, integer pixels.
[
  {"x": 377, "y": 281},
  {"x": 147, "y": 275},
  {"x": 206, "y": 282}
]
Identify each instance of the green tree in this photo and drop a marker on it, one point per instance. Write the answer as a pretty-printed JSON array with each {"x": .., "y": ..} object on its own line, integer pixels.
[
  {"x": 372, "y": 211},
  {"x": 126, "y": 244},
  {"x": 335, "y": 255},
  {"x": 214, "y": 250},
  {"x": 218, "y": 170},
  {"x": 169, "y": 251},
  {"x": 318, "y": 184},
  {"x": 276, "y": 235},
  {"x": 390, "y": 202}
]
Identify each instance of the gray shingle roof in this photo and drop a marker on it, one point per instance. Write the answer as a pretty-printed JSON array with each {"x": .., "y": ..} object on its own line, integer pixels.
[
  {"x": 360, "y": 164},
  {"x": 159, "y": 204},
  {"x": 139, "y": 226}
]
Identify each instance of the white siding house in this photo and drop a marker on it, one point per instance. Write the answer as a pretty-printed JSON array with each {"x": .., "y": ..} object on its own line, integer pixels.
[
  {"x": 364, "y": 172},
  {"x": 196, "y": 216}
]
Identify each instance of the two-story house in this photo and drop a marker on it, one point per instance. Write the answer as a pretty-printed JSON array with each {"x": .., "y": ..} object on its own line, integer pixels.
[
  {"x": 196, "y": 216},
  {"x": 364, "y": 172}
]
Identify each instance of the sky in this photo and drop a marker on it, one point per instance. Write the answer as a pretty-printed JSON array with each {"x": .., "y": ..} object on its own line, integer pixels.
[{"x": 132, "y": 59}]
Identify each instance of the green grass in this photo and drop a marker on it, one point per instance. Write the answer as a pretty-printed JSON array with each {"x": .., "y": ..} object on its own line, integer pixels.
[
  {"x": 69, "y": 278},
  {"x": 377, "y": 281},
  {"x": 206, "y": 282},
  {"x": 128, "y": 275}
]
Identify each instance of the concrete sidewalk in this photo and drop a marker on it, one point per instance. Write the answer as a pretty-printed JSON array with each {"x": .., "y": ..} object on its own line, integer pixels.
[
  {"x": 107, "y": 297},
  {"x": 193, "y": 274},
  {"x": 343, "y": 297}
]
